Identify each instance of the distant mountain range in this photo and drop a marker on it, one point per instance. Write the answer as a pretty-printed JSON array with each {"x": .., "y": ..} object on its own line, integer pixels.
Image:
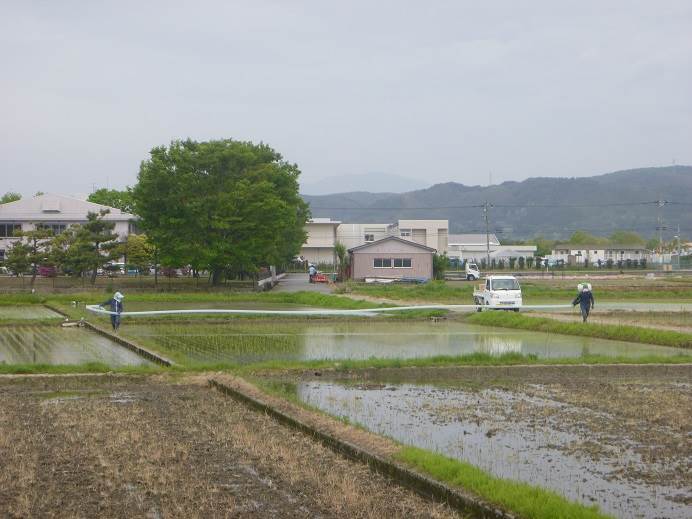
[
  {"x": 551, "y": 207},
  {"x": 375, "y": 181}
]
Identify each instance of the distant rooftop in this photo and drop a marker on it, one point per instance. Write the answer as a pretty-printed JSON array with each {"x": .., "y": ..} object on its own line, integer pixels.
[
  {"x": 53, "y": 207},
  {"x": 471, "y": 239},
  {"x": 324, "y": 220}
]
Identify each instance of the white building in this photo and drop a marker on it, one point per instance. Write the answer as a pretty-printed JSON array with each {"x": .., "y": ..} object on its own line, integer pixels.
[
  {"x": 593, "y": 254},
  {"x": 319, "y": 246},
  {"x": 474, "y": 248},
  {"x": 356, "y": 234},
  {"x": 324, "y": 233},
  {"x": 56, "y": 212},
  {"x": 431, "y": 233}
]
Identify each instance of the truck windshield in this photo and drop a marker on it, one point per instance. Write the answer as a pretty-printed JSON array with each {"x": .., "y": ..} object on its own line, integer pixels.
[
  {"x": 472, "y": 266},
  {"x": 505, "y": 284}
]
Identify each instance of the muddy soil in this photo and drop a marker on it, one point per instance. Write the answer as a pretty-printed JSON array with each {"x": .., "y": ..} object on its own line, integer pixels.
[
  {"x": 117, "y": 446},
  {"x": 622, "y": 433}
]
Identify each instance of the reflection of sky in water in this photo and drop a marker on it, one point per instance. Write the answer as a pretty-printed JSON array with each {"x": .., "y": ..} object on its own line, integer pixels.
[
  {"x": 425, "y": 416},
  {"x": 362, "y": 340},
  {"x": 27, "y": 312},
  {"x": 53, "y": 345}
]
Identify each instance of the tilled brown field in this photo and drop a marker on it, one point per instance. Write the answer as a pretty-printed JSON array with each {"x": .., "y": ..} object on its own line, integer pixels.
[{"x": 116, "y": 446}]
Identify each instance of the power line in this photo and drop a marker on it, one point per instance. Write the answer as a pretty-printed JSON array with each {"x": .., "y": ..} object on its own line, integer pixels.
[{"x": 660, "y": 203}]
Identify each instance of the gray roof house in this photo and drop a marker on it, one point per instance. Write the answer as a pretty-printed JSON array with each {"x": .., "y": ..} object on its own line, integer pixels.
[
  {"x": 391, "y": 258},
  {"x": 56, "y": 212}
]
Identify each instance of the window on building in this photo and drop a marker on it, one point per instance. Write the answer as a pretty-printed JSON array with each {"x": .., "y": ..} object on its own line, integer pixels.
[
  {"x": 132, "y": 228},
  {"x": 369, "y": 237},
  {"x": 382, "y": 263},
  {"x": 7, "y": 230},
  {"x": 402, "y": 263},
  {"x": 55, "y": 228},
  {"x": 2, "y": 254},
  {"x": 405, "y": 233}
]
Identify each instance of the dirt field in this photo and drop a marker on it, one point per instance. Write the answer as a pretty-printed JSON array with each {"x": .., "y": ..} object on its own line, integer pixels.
[{"x": 150, "y": 447}]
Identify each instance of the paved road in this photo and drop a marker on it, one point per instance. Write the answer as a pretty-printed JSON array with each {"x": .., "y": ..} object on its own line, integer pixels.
[{"x": 299, "y": 282}]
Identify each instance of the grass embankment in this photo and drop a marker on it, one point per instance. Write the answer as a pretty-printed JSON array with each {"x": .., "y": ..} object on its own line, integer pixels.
[
  {"x": 65, "y": 369},
  {"x": 297, "y": 298},
  {"x": 462, "y": 292},
  {"x": 525, "y": 500},
  {"x": 472, "y": 359},
  {"x": 603, "y": 331}
]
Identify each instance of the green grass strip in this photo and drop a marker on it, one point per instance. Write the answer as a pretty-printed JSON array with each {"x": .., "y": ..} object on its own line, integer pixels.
[
  {"x": 603, "y": 331},
  {"x": 472, "y": 359},
  {"x": 526, "y": 500},
  {"x": 88, "y": 367},
  {"x": 297, "y": 298},
  {"x": 443, "y": 292}
]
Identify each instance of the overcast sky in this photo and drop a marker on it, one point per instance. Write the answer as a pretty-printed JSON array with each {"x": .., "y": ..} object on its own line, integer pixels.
[{"x": 440, "y": 91}]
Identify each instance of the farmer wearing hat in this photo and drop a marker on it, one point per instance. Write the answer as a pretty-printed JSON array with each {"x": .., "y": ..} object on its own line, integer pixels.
[
  {"x": 584, "y": 299},
  {"x": 116, "y": 304}
]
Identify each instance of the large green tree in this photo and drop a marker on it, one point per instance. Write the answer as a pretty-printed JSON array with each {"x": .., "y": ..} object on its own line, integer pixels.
[
  {"x": 220, "y": 205},
  {"x": 113, "y": 198}
]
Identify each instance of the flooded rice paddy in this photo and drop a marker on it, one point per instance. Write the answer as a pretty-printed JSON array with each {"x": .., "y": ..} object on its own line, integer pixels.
[
  {"x": 249, "y": 341},
  {"x": 27, "y": 312},
  {"x": 56, "y": 345},
  {"x": 629, "y": 453}
]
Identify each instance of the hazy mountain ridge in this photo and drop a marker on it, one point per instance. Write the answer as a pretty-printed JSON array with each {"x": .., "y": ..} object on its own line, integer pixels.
[
  {"x": 376, "y": 182},
  {"x": 574, "y": 196}
]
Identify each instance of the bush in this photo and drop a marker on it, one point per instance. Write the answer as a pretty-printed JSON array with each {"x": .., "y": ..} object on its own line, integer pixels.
[{"x": 440, "y": 265}]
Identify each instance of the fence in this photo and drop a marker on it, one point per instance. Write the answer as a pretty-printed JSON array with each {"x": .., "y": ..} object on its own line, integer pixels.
[{"x": 67, "y": 284}]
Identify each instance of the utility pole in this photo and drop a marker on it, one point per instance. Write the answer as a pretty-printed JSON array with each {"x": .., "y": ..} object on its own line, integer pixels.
[
  {"x": 660, "y": 227},
  {"x": 486, "y": 208}
]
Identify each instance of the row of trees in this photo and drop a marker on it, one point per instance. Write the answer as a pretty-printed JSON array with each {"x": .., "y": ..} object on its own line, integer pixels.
[
  {"x": 545, "y": 246},
  {"x": 521, "y": 263},
  {"x": 79, "y": 250}
]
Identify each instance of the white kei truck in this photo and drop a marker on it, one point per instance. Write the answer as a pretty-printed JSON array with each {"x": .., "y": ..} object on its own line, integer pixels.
[
  {"x": 498, "y": 293},
  {"x": 472, "y": 272}
]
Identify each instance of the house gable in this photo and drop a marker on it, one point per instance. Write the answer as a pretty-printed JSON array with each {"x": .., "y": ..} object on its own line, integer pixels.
[{"x": 392, "y": 245}]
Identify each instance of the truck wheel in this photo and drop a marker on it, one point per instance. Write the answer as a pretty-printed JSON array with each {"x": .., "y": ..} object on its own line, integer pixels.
[
  {"x": 469, "y": 277},
  {"x": 515, "y": 309}
]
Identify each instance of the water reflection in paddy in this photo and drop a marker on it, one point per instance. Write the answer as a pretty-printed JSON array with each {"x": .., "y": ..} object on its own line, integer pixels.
[
  {"x": 55, "y": 345},
  {"x": 247, "y": 341}
]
